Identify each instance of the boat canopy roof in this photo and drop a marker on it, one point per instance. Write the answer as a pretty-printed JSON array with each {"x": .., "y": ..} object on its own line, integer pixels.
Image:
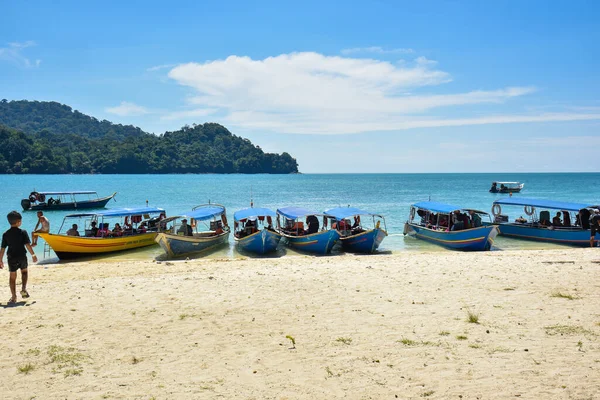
[
  {"x": 541, "y": 203},
  {"x": 346, "y": 212},
  {"x": 508, "y": 183},
  {"x": 203, "y": 213},
  {"x": 296, "y": 212},
  {"x": 62, "y": 193},
  {"x": 253, "y": 212},
  {"x": 443, "y": 207},
  {"x": 120, "y": 212}
]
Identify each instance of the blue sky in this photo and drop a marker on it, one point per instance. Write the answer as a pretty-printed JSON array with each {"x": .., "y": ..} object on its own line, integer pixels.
[{"x": 381, "y": 86}]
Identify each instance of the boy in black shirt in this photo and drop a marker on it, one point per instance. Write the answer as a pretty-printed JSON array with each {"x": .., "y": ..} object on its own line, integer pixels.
[{"x": 16, "y": 240}]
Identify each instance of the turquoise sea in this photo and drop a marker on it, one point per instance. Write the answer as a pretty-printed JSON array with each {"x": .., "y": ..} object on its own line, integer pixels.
[{"x": 388, "y": 194}]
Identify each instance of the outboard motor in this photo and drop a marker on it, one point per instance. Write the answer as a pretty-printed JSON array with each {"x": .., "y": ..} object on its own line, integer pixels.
[{"x": 26, "y": 204}]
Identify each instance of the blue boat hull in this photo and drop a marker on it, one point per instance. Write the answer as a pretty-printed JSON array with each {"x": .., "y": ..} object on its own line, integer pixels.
[
  {"x": 573, "y": 237},
  {"x": 474, "y": 239},
  {"x": 176, "y": 246},
  {"x": 366, "y": 242},
  {"x": 317, "y": 243},
  {"x": 262, "y": 242}
]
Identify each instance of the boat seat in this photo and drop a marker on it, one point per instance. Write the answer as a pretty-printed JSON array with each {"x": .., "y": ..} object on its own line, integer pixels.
[{"x": 545, "y": 217}]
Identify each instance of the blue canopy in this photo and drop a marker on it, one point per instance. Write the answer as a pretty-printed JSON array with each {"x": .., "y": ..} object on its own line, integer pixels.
[
  {"x": 120, "y": 212},
  {"x": 347, "y": 212},
  {"x": 296, "y": 212},
  {"x": 541, "y": 203},
  {"x": 253, "y": 212},
  {"x": 61, "y": 193},
  {"x": 437, "y": 207},
  {"x": 204, "y": 213}
]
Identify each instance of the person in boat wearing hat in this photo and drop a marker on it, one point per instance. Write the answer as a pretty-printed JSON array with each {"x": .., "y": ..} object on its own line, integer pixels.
[{"x": 185, "y": 229}]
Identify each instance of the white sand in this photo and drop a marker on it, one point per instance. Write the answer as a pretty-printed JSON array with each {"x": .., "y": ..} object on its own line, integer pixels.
[{"x": 365, "y": 327}]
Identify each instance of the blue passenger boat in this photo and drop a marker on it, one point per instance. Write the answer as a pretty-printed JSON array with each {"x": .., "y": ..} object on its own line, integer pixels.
[
  {"x": 568, "y": 225},
  {"x": 254, "y": 230},
  {"x": 450, "y": 226},
  {"x": 353, "y": 236},
  {"x": 309, "y": 237},
  {"x": 203, "y": 228},
  {"x": 78, "y": 200}
]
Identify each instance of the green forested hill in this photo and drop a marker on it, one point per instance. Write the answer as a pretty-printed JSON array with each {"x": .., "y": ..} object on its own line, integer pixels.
[{"x": 50, "y": 138}]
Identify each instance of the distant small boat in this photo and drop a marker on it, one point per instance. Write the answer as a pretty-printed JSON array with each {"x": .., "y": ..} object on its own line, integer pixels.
[
  {"x": 313, "y": 239},
  {"x": 46, "y": 201},
  {"x": 354, "y": 237},
  {"x": 254, "y": 232},
  {"x": 180, "y": 238},
  {"x": 574, "y": 228},
  {"x": 432, "y": 221},
  {"x": 137, "y": 228},
  {"x": 506, "y": 187}
]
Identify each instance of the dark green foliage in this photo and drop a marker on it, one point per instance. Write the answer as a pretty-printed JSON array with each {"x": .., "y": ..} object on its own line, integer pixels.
[{"x": 58, "y": 140}]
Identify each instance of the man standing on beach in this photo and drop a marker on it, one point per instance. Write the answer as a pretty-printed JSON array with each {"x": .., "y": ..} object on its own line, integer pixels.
[
  {"x": 16, "y": 239},
  {"x": 45, "y": 227},
  {"x": 594, "y": 226}
]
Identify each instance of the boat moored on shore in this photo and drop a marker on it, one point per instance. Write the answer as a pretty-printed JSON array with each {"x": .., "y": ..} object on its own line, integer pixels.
[
  {"x": 132, "y": 228},
  {"x": 254, "y": 231},
  {"x": 353, "y": 235},
  {"x": 313, "y": 239},
  {"x": 450, "y": 226},
  {"x": 201, "y": 229},
  {"x": 570, "y": 225}
]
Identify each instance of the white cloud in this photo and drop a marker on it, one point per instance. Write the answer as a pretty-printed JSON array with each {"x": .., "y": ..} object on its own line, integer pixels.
[
  {"x": 14, "y": 53},
  {"x": 375, "y": 50},
  {"x": 159, "y": 67},
  {"x": 314, "y": 93},
  {"x": 197, "y": 113},
  {"x": 126, "y": 109}
]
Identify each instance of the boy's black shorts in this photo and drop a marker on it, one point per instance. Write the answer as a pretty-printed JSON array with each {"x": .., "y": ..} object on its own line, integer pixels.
[
  {"x": 593, "y": 230},
  {"x": 17, "y": 263}
]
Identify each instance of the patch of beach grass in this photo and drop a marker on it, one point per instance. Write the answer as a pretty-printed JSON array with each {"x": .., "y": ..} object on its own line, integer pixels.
[
  {"x": 408, "y": 342},
  {"x": 560, "y": 295},
  {"x": 475, "y": 346},
  {"x": 344, "y": 340},
  {"x": 568, "y": 330},
  {"x": 472, "y": 317},
  {"x": 26, "y": 368},
  {"x": 427, "y": 393},
  {"x": 66, "y": 359},
  {"x": 444, "y": 333},
  {"x": 508, "y": 288},
  {"x": 461, "y": 337}
]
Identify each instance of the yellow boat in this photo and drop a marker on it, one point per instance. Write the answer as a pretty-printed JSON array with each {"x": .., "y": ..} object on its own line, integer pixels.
[{"x": 135, "y": 232}]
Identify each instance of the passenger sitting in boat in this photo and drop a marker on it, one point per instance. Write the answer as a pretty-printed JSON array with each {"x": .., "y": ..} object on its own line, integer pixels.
[
  {"x": 103, "y": 230},
  {"x": 142, "y": 228},
  {"x": 50, "y": 201},
  {"x": 566, "y": 218},
  {"x": 297, "y": 228},
  {"x": 457, "y": 221},
  {"x": 185, "y": 229},
  {"x": 249, "y": 227},
  {"x": 73, "y": 231},
  {"x": 475, "y": 219},
  {"x": 520, "y": 220},
  {"x": 117, "y": 230},
  {"x": 356, "y": 223},
  {"x": 556, "y": 221},
  {"x": 313, "y": 224},
  {"x": 93, "y": 229},
  {"x": 443, "y": 222},
  {"x": 494, "y": 187},
  {"x": 423, "y": 215}
]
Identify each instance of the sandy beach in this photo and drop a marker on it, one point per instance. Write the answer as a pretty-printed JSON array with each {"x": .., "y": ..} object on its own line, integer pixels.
[{"x": 302, "y": 327}]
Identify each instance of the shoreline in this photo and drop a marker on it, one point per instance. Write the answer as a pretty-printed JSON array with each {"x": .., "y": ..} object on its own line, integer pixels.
[{"x": 375, "y": 326}]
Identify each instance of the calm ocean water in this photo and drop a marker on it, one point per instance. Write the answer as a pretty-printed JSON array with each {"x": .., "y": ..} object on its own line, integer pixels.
[{"x": 388, "y": 194}]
